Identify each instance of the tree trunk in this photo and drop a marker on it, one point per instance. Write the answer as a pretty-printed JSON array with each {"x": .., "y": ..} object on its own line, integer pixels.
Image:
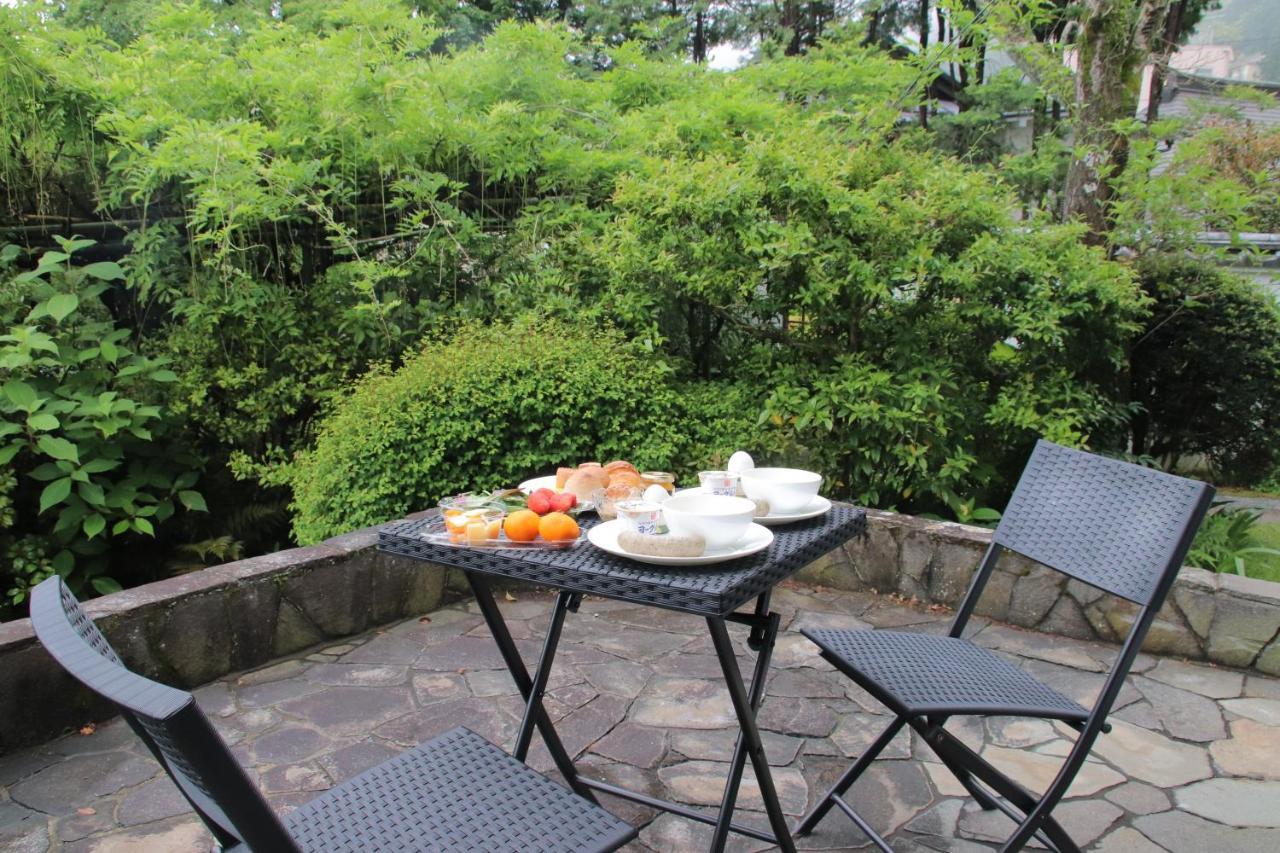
[
  {"x": 923, "y": 23},
  {"x": 791, "y": 22},
  {"x": 699, "y": 37},
  {"x": 980, "y": 69},
  {"x": 1114, "y": 42},
  {"x": 1167, "y": 44},
  {"x": 967, "y": 42},
  {"x": 872, "y": 29},
  {"x": 942, "y": 37}
]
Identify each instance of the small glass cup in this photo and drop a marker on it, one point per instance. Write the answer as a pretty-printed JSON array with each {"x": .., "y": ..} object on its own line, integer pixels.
[
  {"x": 640, "y": 515},
  {"x": 474, "y": 525},
  {"x": 607, "y": 500},
  {"x": 719, "y": 482},
  {"x": 470, "y": 518},
  {"x": 659, "y": 478}
]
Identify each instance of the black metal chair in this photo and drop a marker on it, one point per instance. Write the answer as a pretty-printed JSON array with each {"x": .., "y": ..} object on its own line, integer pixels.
[
  {"x": 454, "y": 792},
  {"x": 1118, "y": 527}
]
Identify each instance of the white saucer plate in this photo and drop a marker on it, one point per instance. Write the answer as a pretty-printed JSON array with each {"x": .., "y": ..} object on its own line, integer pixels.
[
  {"x": 605, "y": 537},
  {"x": 818, "y": 506},
  {"x": 549, "y": 482}
]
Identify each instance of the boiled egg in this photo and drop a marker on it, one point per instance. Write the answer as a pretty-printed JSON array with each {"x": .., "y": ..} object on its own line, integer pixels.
[
  {"x": 655, "y": 494},
  {"x": 740, "y": 461}
]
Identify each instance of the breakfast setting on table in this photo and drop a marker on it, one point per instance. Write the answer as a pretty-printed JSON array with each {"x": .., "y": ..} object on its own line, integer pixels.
[
  {"x": 704, "y": 548},
  {"x": 643, "y": 516}
]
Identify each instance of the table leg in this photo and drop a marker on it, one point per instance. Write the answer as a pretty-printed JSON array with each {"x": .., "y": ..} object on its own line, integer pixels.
[
  {"x": 515, "y": 665},
  {"x": 750, "y": 733},
  {"x": 764, "y": 632},
  {"x": 541, "y": 676}
]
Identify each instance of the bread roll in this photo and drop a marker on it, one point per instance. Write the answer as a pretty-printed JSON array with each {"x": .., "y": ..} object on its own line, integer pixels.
[
  {"x": 584, "y": 482},
  {"x": 625, "y": 478},
  {"x": 620, "y": 465},
  {"x": 563, "y": 475}
]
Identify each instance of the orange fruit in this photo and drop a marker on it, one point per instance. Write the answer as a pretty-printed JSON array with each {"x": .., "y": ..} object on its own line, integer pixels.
[
  {"x": 558, "y": 527},
  {"x": 522, "y": 525}
]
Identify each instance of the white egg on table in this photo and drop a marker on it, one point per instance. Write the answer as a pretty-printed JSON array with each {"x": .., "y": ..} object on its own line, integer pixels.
[
  {"x": 656, "y": 494},
  {"x": 740, "y": 461}
]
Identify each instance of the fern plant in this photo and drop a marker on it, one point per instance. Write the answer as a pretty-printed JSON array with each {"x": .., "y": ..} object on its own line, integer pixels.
[
  {"x": 194, "y": 556},
  {"x": 1226, "y": 541}
]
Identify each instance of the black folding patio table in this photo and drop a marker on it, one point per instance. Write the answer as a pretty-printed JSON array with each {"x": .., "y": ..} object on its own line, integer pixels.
[{"x": 714, "y": 592}]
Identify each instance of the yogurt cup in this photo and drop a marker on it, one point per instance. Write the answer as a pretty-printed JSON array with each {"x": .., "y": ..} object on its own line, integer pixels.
[
  {"x": 719, "y": 482},
  {"x": 640, "y": 515}
]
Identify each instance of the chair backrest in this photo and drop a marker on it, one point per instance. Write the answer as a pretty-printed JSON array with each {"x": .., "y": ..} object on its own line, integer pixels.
[
  {"x": 167, "y": 720},
  {"x": 1119, "y": 527}
]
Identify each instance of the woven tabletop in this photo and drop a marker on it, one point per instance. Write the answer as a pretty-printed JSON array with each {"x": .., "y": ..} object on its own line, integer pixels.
[{"x": 715, "y": 590}]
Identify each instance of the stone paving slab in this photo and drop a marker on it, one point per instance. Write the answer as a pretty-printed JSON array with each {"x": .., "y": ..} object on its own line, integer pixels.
[{"x": 1190, "y": 766}]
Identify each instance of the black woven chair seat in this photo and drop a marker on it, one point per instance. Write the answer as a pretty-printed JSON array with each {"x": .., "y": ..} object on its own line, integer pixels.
[
  {"x": 918, "y": 674},
  {"x": 455, "y": 792}
]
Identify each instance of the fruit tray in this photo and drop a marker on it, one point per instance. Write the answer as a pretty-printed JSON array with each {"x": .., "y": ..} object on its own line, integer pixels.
[{"x": 439, "y": 537}]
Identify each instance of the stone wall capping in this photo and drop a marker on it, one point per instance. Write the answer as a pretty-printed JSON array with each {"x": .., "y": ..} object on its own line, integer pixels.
[
  {"x": 1191, "y": 577},
  {"x": 1266, "y": 592}
]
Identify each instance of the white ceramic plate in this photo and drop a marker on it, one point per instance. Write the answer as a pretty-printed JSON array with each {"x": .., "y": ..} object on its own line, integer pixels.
[
  {"x": 549, "y": 482},
  {"x": 605, "y": 537},
  {"x": 531, "y": 486},
  {"x": 818, "y": 506}
]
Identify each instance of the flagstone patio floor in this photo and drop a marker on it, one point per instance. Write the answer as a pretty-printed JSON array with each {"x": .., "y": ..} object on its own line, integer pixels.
[{"x": 1193, "y": 763}]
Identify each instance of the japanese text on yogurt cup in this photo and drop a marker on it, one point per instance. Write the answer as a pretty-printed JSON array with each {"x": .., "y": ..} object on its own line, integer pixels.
[
  {"x": 641, "y": 516},
  {"x": 719, "y": 482}
]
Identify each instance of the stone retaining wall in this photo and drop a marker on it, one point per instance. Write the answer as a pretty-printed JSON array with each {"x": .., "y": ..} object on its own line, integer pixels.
[
  {"x": 1222, "y": 618},
  {"x": 190, "y": 629},
  {"x": 193, "y": 628}
]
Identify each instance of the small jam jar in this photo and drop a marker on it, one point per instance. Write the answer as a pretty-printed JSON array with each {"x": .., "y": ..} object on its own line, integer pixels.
[
  {"x": 719, "y": 482},
  {"x": 641, "y": 516},
  {"x": 659, "y": 478}
]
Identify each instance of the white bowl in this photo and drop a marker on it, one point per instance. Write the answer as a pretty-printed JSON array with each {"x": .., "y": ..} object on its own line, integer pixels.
[
  {"x": 786, "y": 489},
  {"x": 719, "y": 519}
]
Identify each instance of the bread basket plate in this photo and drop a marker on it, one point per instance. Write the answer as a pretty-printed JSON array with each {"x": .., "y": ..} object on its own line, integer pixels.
[
  {"x": 549, "y": 482},
  {"x": 605, "y": 537}
]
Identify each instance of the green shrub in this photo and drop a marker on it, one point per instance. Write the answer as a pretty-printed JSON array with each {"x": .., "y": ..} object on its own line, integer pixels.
[
  {"x": 915, "y": 340},
  {"x": 717, "y": 418},
  {"x": 1206, "y": 370},
  {"x": 91, "y": 459},
  {"x": 484, "y": 409}
]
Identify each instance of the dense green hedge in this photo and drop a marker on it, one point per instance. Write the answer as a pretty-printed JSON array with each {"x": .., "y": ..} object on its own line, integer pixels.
[
  {"x": 491, "y": 405},
  {"x": 482, "y": 409}
]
